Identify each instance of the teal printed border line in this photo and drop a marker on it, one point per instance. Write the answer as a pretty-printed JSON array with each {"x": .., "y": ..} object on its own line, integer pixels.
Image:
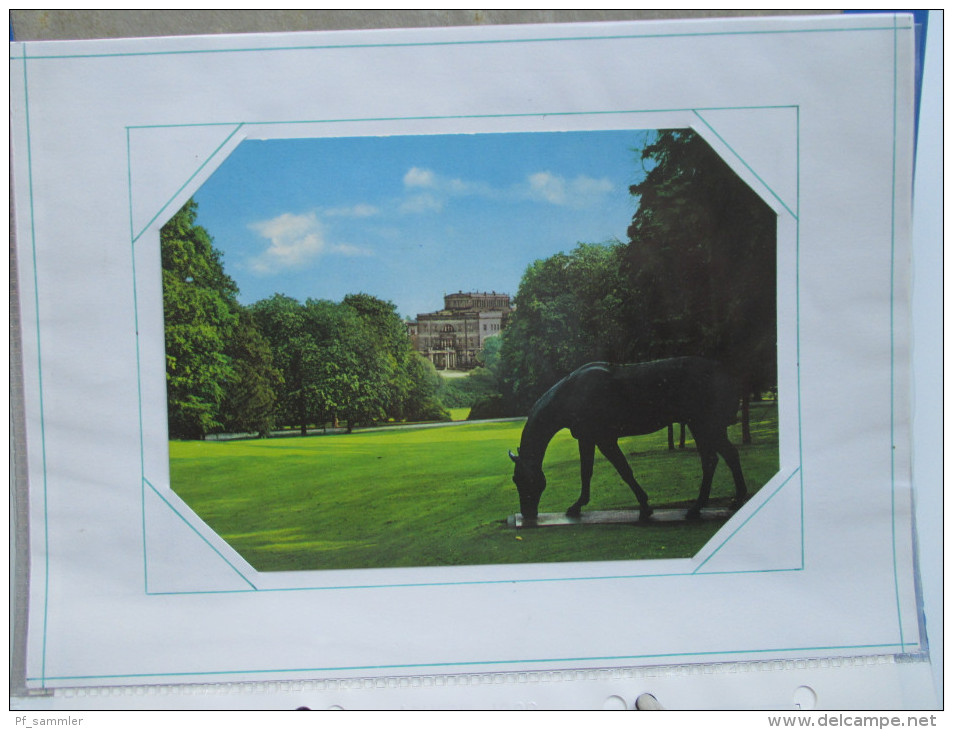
[
  {"x": 747, "y": 166},
  {"x": 185, "y": 520},
  {"x": 39, "y": 364},
  {"x": 885, "y": 648},
  {"x": 497, "y": 581},
  {"x": 451, "y": 117},
  {"x": 487, "y": 42},
  {"x": 135, "y": 237},
  {"x": 26, "y": 117},
  {"x": 249, "y": 125}
]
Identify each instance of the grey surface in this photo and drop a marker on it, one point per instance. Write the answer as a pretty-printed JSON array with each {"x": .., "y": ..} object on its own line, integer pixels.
[{"x": 30, "y": 25}]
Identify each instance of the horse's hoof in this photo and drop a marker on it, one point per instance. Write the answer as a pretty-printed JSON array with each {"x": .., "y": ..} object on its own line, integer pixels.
[
  {"x": 645, "y": 515},
  {"x": 695, "y": 513},
  {"x": 739, "y": 503},
  {"x": 574, "y": 512}
]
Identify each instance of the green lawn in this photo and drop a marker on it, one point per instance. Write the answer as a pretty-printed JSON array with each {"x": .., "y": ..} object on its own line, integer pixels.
[
  {"x": 459, "y": 414},
  {"x": 440, "y": 496}
]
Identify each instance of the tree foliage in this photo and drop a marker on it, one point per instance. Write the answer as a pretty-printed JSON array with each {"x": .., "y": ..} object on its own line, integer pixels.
[
  {"x": 702, "y": 254},
  {"x": 200, "y": 314},
  {"x": 423, "y": 401},
  {"x": 568, "y": 311},
  {"x": 280, "y": 362},
  {"x": 250, "y": 398},
  {"x": 696, "y": 277},
  {"x": 350, "y": 361},
  {"x": 463, "y": 392}
]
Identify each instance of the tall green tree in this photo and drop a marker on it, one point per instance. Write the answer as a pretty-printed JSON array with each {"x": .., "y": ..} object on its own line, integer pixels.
[
  {"x": 201, "y": 312},
  {"x": 702, "y": 254},
  {"x": 489, "y": 357},
  {"x": 352, "y": 372},
  {"x": 423, "y": 402},
  {"x": 390, "y": 349},
  {"x": 295, "y": 354},
  {"x": 251, "y": 399},
  {"x": 568, "y": 312}
]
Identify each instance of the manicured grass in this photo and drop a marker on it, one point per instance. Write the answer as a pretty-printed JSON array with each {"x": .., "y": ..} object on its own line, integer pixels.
[
  {"x": 440, "y": 496},
  {"x": 459, "y": 414}
]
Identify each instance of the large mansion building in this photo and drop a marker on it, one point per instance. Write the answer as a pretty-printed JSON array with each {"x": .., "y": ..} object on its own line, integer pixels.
[{"x": 452, "y": 337}]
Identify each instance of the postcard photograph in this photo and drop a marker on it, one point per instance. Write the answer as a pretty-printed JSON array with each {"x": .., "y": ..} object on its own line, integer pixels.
[{"x": 471, "y": 349}]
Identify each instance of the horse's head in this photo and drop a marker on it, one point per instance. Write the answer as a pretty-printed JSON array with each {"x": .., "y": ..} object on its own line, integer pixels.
[{"x": 530, "y": 483}]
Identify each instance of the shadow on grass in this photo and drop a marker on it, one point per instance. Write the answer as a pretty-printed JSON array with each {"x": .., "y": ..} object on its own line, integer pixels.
[{"x": 440, "y": 497}]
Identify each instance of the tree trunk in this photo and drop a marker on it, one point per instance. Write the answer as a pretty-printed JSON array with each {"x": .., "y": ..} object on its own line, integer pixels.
[
  {"x": 671, "y": 436},
  {"x": 746, "y": 418}
]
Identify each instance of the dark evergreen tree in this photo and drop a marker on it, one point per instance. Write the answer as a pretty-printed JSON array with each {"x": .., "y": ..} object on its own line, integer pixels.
[{"x": 250, "y": 399}]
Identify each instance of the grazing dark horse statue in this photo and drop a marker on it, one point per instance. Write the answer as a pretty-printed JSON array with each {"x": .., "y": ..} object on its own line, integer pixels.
[{"x": 600, "y": 403}]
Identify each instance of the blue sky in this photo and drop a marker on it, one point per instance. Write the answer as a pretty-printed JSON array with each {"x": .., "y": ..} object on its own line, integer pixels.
[{"x": 410, "y": 218}]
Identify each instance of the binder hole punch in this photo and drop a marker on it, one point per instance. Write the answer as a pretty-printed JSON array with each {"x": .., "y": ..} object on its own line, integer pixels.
[
  {"x": 647, "y": 701},
  {"x": 805, "y": 698},
  {"x": 614, "y": 702}
]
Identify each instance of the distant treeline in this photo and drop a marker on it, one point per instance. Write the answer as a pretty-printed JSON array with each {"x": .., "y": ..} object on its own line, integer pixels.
[{"x": 279, "y": 362}]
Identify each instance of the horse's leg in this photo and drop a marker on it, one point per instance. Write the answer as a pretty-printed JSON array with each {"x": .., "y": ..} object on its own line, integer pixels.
[
  {"x": 587, "y": 454},
  {"x": 709, "y": 459},
  {"x": 610, "y": 449},
  {"x": 730, "y": 454}
]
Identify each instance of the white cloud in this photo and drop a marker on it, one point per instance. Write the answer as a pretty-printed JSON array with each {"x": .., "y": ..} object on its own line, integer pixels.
[
  {"x": 428, "y": 191},
  {"x": 417, "y": 177},
  {"x": 547, "y": 187},
  {"x": 295, "y": 240},
  {"x": 557, "y": 190}
]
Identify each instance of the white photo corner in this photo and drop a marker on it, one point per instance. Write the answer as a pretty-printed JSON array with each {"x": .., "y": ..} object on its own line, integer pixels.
[{"x": 129, "y": 583}]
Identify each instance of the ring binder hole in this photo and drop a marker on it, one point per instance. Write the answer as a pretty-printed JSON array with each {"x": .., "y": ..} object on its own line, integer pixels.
[
  {"x": 805, "y": 698},
  {"x": 614, "y": 702},
  {"x": 648, "y": 701}
]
